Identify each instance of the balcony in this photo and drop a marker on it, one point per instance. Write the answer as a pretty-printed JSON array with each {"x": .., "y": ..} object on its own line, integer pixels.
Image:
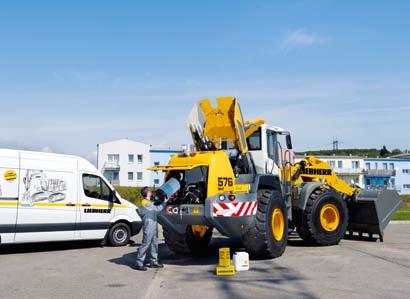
[
  {"x": 379, "y": 172},
  {"x": 111, "y": 165},
  {"x": 353, "y": 171}
]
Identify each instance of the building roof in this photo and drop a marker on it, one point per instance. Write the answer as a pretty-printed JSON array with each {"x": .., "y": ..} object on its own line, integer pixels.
[
  {"x": 124, "y": 139},
  {"x": 401, "y": 156},
  {"x": 331, "y": 157},
  {"x": 165, "y": 150},
  {"x": 388, "y": 159}
]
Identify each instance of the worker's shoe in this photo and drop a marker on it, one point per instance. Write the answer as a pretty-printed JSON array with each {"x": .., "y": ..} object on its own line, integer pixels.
[
  {"x": 140, "y": 268},
  {"x": 155, "y": 266}
]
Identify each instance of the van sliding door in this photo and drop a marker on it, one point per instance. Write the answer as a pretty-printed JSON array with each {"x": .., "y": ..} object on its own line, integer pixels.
[{"x": 48, "y": 199}]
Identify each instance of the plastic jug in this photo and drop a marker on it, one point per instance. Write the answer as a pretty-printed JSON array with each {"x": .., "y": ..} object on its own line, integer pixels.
[{"x": 241, "y": 261}]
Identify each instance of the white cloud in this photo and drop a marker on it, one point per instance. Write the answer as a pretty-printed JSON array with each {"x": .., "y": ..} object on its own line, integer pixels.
[{"x": 300, "y": 38}]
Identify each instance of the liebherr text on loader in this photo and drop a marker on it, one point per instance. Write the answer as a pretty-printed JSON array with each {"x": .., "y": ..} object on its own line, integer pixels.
[{"x": 241, "y": 182}]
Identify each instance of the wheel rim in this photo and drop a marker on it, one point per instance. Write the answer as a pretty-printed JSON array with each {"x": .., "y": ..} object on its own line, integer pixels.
[
  {"x": 199, "y": 231},
  {"x": 278, "y": 224},
  {"x": 120, "y": 235},
  {"x": 329, "y": 217}
]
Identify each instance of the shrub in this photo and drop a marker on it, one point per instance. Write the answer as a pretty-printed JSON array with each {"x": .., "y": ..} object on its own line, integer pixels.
[{"x": 132, "y": 194}]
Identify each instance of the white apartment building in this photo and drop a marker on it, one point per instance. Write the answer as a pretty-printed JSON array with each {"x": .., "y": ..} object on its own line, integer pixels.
[
  {"x": 348, "y": 168},
  {"x": 124, "y": 162}
]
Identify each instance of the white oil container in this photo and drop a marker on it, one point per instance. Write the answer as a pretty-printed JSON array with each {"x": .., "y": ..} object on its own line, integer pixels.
[{"x": 241, "y": 261}]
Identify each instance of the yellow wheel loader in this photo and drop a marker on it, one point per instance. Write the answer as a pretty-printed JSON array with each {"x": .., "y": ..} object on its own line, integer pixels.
[{"x": 240, "y": 181}]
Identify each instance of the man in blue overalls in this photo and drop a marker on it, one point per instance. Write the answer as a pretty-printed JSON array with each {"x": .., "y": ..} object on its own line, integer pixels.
[{"x": 149, "y": 213}]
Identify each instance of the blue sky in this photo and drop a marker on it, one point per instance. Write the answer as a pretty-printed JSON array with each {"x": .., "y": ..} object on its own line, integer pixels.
[{"x": 77, "y": 73}]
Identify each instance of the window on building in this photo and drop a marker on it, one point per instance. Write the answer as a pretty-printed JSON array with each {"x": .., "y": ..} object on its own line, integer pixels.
[
  {"x": 139, "y": 176},
  {"x": 406, "y": 186},
  {"x": 331, "y": 163},
  {"x": 113, "y": 158},
  {"x": 156, "y": 163},
  {"x": 130, "y": 176},
  {"x": 95, "y": 187},
  {"x": 368, "y": 182},
  {"x": 376, "y": 165},
  {"x": 391, "y": 166},
  {"x": 156, "y": 182},
  {"x": 368, "y": 166},
  {"x": 385, "y": 166},
  {"x": 340, "y": 164},
  {"x": 140, "y": 158},
  {"x": 355, "y": 164},
  {"x": 406, "y": 171},
  {"x": 130, "y": 158}
]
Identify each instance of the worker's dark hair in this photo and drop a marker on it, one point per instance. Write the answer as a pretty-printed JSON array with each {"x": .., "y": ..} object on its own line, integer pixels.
[{"x": 144, "y": 191}]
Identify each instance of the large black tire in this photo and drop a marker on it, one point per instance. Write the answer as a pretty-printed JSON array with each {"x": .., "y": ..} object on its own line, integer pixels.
[
  {"x": 259, "y": 239},
  {"x": 119, "y": 234},
  {"x": 187, "y": 243},
  {"x": 310, "y": 228}
]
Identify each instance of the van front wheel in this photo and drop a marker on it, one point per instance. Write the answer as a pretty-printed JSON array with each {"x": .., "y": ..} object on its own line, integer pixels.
[{"x": 119, "y": 234}]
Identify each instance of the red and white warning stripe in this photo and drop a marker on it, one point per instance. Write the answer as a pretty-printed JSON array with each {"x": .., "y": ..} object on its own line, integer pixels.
[{"x": 234, "y": 209}]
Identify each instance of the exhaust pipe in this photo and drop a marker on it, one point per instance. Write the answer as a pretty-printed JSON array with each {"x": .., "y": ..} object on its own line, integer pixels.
[{"x": 371, "y": 211}]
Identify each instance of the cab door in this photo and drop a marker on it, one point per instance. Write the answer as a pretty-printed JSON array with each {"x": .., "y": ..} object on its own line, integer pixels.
[
  {"x": 96, "y": 208},
  {"x": 9, "y": 188}
]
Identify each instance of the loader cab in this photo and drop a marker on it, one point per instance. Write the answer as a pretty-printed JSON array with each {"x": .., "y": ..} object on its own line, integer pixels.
[{"x": 270, "y": 148}]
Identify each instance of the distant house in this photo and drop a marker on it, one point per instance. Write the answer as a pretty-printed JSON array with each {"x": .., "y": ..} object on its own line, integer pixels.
[
  {"x": 124, "y": 162},
  {"x": 387, "y": 173}
]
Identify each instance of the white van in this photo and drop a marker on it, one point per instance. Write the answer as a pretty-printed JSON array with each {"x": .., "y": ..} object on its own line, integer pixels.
[{"x": 51, "y": 197}]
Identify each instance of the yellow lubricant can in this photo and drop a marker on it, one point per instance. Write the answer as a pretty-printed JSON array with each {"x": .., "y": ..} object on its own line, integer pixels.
[
  {"x": 224, "y": 267},
  {"x": 224, "y": 257}
]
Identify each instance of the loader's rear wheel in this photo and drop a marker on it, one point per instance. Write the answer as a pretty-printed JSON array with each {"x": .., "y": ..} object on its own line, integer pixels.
[
  {"x": 267, "y": 235},
  {"x": 325, "y": 218},
  {"x": 195, "y": 240}
]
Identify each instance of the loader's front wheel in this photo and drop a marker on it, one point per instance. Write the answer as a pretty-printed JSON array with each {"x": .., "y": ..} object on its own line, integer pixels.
[
  {"x": 195, "y": 240},
  {"x": 267, "y": 235},
  {"x": 325, "y": 218}
]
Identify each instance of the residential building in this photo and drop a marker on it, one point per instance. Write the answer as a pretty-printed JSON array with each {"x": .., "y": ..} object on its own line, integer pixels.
[
  {"x": 160, "y": 157},
  {"x": 387, "y": 173},
  {"x": 124, "y": 162}
]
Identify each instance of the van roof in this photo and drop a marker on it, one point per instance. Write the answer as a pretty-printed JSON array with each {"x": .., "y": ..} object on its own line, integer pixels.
[{"x": 83, "y": 164}]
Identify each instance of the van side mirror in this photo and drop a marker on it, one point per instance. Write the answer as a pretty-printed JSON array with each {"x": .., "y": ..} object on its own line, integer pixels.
[{"x": 288, "y": 141}]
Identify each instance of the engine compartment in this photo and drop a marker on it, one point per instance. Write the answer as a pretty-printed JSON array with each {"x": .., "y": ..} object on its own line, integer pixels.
[{"x": 193, "y": 185}]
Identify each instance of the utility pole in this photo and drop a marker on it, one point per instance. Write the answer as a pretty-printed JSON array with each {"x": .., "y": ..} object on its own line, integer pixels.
[{"x": 335, "y": 143}]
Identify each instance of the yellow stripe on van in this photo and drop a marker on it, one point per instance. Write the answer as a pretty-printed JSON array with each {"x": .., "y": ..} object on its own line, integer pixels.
[{"x": 9, "y": 203}]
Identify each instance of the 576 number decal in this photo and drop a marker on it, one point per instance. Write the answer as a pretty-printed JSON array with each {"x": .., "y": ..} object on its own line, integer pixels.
[{"x": 224, "y": 181}]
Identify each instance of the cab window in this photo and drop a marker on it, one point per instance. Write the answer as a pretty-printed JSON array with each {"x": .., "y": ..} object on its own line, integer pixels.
[
  {"x": 95, "y": 187},
  {"x": 255, "y": 141}
]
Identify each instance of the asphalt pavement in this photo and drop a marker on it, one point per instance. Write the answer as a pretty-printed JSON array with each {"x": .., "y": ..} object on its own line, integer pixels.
[{"x": 353, "y": 269}]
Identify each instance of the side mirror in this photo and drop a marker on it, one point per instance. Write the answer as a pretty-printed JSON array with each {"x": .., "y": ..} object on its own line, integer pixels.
[{"x": 288, "y": 142}]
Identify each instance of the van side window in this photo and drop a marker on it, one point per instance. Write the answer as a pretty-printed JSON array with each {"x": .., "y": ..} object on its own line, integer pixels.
[{"x": 95, "y": 187}]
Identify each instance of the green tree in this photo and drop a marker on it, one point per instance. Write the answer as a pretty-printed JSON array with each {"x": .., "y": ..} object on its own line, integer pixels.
[
  {"x": 384, "y": 152},
  {"x": 396, "y": 151}
]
